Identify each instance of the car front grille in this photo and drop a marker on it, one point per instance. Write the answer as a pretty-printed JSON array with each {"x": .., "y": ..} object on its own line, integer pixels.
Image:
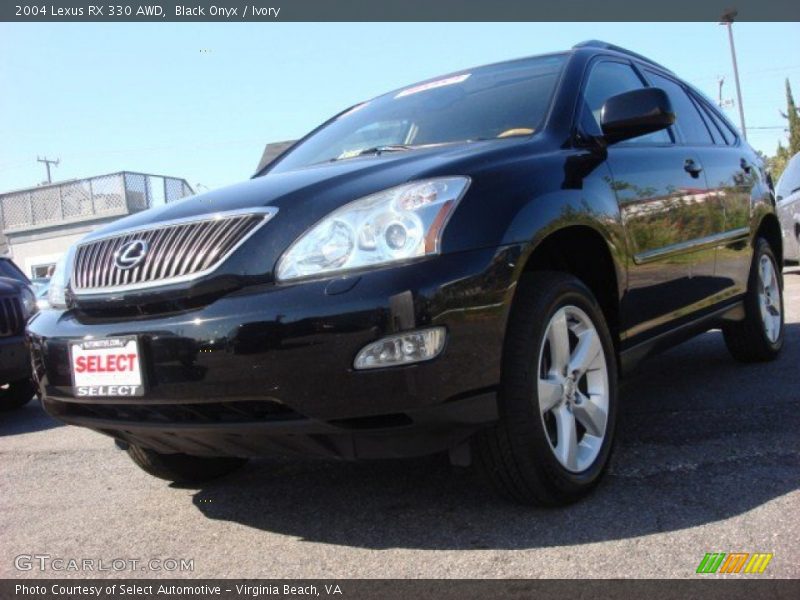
[
  {"x": 11, "y": 319},
  {"x": 175, "y": 251}
]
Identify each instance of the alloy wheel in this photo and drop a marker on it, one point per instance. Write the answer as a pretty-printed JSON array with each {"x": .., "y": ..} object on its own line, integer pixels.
[
  {"x": 573, "y": 388},
  {"x": 769, "y": 298}
]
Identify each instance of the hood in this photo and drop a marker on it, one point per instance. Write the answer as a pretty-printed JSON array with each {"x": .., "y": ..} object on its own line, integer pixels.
[
  {"x": 316, "y": 190},
  {"x": 303, "y": 197},
  {"x": 10, "y": 286}
]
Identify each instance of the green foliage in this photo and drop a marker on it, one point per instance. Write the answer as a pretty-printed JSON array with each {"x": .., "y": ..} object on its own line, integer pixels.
[
  {"x": 793, "y": 116},
  {"x": 776, "y": 164}
]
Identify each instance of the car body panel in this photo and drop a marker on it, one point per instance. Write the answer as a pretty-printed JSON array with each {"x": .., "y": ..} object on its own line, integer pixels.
[
  {"x": 789, "y": 211},
  {"x": 15, "y": 364},
  {"x": 788, "y": 203}
]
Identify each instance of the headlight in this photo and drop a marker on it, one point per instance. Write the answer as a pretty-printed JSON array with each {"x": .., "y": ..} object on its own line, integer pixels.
[
  {"x": 57, "y": 294},
  {"x": 394, "y": 225},
  {"x": 28, "y": 301}
]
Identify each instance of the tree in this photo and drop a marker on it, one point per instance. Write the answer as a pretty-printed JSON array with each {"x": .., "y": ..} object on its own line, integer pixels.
[
  {"x": 793, "y": 116},
  {"x": 777, "y": 163}
]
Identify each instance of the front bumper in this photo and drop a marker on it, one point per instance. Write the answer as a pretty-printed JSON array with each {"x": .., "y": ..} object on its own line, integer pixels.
[{"x": 269, "y": 368}]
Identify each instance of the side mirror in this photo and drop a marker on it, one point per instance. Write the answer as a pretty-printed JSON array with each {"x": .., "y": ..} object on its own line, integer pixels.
[{"x": 638, "y": 112}]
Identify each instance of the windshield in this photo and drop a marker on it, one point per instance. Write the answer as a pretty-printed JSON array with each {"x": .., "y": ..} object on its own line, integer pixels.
[{"x": 498, "y": 101}]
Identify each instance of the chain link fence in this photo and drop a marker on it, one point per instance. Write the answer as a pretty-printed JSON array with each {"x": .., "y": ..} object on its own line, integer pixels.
[{"x": 84, "y": 199}]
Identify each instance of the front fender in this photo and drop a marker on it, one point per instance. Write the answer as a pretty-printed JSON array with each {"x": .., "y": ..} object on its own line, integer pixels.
[{"x": 588, "y": 202}]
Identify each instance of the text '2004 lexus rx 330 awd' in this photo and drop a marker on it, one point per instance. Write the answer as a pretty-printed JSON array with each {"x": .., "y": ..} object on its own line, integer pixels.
[{"x": 465, "y": 265}]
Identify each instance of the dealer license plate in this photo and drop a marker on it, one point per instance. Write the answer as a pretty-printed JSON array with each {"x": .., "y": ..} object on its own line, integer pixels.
[{"x": 108, "y": 367}]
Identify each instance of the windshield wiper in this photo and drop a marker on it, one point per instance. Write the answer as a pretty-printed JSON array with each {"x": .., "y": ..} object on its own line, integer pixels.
[
  {"x": 381, "y": 149},
  {"x": 377, "y": 150}
]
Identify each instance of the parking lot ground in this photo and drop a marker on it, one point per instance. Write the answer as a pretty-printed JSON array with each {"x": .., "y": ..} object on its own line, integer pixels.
[{"x": 707, "y": 460}]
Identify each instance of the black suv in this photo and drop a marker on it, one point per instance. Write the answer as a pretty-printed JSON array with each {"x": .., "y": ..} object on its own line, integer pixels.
[
  {"x": 17, "y": 303},
  {"x": 462, "y": 265}
]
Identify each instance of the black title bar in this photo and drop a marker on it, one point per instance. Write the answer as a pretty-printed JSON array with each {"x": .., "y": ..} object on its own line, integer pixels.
[
  {"x": 397, "y": 10},
  {"x": 398, "y": 589}
]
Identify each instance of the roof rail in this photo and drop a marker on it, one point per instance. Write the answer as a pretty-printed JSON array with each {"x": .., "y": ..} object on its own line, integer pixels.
[{"x": 620, "y": 49}]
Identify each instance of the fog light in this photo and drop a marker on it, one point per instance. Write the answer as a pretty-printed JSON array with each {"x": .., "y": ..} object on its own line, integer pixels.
[{"x": 402, "y": 349}]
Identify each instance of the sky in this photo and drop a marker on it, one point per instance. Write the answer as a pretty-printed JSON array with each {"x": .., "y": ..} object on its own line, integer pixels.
[{"x": 200, "y": 101}]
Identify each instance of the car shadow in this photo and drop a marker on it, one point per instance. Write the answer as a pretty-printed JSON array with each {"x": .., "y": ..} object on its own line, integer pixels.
[
  {"x": 26, "y": 419},
  {"x": 701, "y": 438}
]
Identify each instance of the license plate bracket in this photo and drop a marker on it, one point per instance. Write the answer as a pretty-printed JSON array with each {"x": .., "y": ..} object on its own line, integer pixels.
[{"x": 107, "y": 367}]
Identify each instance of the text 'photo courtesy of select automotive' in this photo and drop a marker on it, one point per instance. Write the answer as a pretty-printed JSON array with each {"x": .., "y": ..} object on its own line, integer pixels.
[{"x": 371, "y": 300}]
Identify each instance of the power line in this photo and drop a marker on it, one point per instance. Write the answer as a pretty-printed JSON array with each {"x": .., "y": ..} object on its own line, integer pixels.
[
  {"x": 200, "y": 145},
  {"x": 753, "y": 73}
]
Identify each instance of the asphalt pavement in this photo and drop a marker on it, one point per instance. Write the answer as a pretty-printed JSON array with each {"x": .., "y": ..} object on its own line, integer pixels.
[{"x": 707, "y": 460}]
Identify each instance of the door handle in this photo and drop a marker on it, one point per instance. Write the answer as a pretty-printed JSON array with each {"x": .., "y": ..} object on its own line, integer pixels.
[
  {"x": 692, "y": 168},
  {"x": 745, "y": 166}
]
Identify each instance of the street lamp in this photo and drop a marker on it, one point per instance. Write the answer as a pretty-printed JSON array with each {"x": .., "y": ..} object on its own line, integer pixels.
[{"x": 727, "y": 19}]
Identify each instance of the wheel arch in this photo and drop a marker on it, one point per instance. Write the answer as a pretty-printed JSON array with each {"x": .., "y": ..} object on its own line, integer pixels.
[
  {"x": 586, "y": 252},
  {"x": 770, "y": 229}
]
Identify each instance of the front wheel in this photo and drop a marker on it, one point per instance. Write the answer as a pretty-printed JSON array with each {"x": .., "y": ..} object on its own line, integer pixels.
[
  {"x": 558, "y": 395},
  {"x": 182, "y": 468},
  {"x": 759, "y": 337}
]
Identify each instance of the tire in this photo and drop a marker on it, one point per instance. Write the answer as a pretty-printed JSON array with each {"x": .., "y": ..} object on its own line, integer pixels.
[
  {"x": 183, "y": 468},
  {"x": 17, "y": 394},
  {"x": 521, "y": 454},
  {"x": 759, "y": 337}
]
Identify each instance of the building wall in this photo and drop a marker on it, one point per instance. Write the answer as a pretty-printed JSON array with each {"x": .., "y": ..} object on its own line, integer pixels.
[
  {"x": 44, "y": 247},
  {"x": 41, "y": 222}
]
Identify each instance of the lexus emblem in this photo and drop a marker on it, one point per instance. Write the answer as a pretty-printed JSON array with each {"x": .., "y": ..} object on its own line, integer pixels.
[{"x": 130, "y": 254}]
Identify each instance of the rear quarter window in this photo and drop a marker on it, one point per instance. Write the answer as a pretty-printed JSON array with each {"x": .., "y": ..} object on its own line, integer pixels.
[
  {"x": 720, "y": 133},
  {"x": 715, "y": 117}
]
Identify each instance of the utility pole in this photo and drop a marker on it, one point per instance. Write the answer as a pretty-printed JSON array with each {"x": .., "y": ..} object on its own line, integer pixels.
[
  {"x": 47, "y": 163},
  {"x": 722, "y": 102},
  {"x": 727, "y": 20}
]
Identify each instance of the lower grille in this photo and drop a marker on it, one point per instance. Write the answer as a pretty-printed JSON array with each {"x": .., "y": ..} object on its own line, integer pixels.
[
  {"x": 243, "y": 411},
  {"x": 11, "y": 320}
]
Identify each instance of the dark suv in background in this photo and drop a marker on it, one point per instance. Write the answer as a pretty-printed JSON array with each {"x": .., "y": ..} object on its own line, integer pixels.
[
  {"x": 462, "y": 265},
  {"x": 17, "y": 304}
]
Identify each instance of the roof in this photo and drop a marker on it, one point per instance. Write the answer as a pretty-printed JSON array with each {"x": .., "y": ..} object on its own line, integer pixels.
[{"x": 599, "y": 44}]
